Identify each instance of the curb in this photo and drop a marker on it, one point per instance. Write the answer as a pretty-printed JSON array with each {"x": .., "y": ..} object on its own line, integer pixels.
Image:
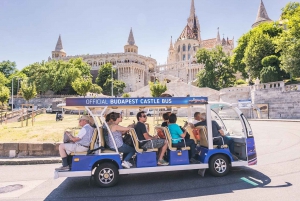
[{"x": 29, "y": 161}]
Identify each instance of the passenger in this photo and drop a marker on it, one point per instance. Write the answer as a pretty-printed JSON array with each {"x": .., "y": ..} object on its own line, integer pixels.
[
  {"x": 80, "y": 143},
  {"x": 217, "y": 132},
  {"x": 166, "y": 119},
  {"x": 197, "y": 117},
  {"x": 176, "y": 133},
  {"x": 117, "y": 132},
  {"x": 142, "y": 134},
  {"x": 105, "y": 131}
]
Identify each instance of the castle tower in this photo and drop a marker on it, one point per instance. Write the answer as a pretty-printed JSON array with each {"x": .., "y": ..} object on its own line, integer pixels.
[
  {"x": 171, "y": 56},
  {"x": 59, "y": 50},
  {"x": 262, "y": 15},
  {"x": 130, "y": 46}
]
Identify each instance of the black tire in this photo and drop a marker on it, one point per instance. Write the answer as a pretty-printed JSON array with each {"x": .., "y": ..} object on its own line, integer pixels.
[
  {"x": 219, "y": 165},
  {"x": 106, "y": 175}
]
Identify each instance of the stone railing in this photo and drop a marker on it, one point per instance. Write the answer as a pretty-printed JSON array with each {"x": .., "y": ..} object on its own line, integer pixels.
[
  {"x": 234, "y": 89},
  {"x": 292, "y": 87},
  {"x": 269, "y": 85}
]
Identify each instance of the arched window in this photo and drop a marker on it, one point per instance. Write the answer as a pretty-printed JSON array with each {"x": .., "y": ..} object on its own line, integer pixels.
[
  {"x": 183, "y": 48},
  {"x": 178, "y": 48},
  {"x": 189, "y": 47},
  {"x": 189, "y": 56},
  {"x": 183, "y": 57}
]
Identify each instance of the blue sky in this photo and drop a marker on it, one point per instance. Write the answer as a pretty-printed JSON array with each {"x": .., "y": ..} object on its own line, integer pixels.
[{"x": 29, "y": 29}]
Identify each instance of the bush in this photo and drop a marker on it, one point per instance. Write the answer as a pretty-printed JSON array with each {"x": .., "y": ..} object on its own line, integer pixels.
[
  {"x": 126, "y": 95},
  {"x": 240, "y": 81},
  {"x": 269, "y": 74}
]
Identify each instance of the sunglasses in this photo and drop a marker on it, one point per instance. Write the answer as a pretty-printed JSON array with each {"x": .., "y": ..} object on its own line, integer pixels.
[{"x": 144, "y": 116}]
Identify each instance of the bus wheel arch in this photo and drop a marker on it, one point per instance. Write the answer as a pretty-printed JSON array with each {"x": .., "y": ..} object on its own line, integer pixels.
[
  {"x": 219, "y": 165},
  {"x": 106, "y": 173}
]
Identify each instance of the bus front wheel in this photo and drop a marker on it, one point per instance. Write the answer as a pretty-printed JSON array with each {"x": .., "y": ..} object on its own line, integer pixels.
[
  {"x": 219, "y": 165},
  {"x": 106, "y": 175}
]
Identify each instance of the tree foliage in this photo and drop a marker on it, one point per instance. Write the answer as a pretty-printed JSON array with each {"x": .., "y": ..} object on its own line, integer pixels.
[
  {"x": 218, "y": 72},
  {"x": 82, "y": 85},
  {"x": 244, "y": 60},
  {"x": 3, "y": 79},
  {"x": 269, "y": 74},
  {"x": 55, "y": 75},
  {"x": 288, "y": 44},
  {"x": 7, "y": 68},
  {"x": 96, "y": 89},
  {"x": 4, "y": 94},
  {"x": 157, "y": 88},
  {"x": 126, "y": 95},
  {"x": 28, "y": 90}
]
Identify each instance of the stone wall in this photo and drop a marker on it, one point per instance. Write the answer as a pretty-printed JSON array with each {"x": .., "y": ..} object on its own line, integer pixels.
[{"x": 28, "y": 149}]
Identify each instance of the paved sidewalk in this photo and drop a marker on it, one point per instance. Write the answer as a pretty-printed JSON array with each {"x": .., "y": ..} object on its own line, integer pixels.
[
  {"x": 281, "y": 120},
  {"x": 29, "y": 160}
]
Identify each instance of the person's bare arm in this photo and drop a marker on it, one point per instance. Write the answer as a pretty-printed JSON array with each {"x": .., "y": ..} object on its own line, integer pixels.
[
  {"x": 149, "y": 137},
  {"x": 121, "y": 128},
  {"x": 221, "y": 132},
  {"x": 74, "y": 139}
]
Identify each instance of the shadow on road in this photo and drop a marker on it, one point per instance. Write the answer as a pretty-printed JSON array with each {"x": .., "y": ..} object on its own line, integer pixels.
[{"x": 162, "y": 186}]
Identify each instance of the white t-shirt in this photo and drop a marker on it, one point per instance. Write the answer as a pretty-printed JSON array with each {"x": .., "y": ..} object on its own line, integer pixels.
[
  {"x": 82, "y": 132},
  {"x": 195, "y": 121}
]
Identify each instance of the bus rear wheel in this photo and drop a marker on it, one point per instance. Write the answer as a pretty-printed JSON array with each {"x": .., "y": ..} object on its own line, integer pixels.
[
  {"x": 219, "y": 165},
  {"x": 106, "y": 175}
]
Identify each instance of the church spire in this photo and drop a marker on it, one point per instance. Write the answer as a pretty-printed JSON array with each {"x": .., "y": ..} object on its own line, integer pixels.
[
  {"x": 59, "y": 46},
  {"x": 171, "y": 45},
  {"x": 192, "y": 11},
  {"x": 131, "y": 38},
  {"x": 218, "y": 37},
  {"x": 262, "y": 15}
]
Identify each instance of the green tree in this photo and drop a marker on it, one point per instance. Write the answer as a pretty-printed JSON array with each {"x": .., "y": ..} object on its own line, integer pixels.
[
  {"x": 218, "y": 72},
  {"x": 104, "y": 74},
  {"x": 28, "y": 90},
  {"x": 82, "y": 85},
  {"x": 4, "y": 94},
  {"x": 269, "y": 74},
  {"x": 126, "y": 95},
  {"x": 157, "y": 88},
  {"x": 239, "y": 61},
  {"x": 260, "y": 46},
  {"x": 289, "y": 41},
  {"x": 118, "y": 87},
  {"x": 96, "y": 89},
  {"x": 3, "y": 79},
  {"x": 7, "y": 68},
  {"x": 240, "y": 82}
]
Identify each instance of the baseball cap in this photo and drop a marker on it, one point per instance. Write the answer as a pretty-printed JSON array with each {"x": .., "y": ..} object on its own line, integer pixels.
[{"x": 84, "y": 117}]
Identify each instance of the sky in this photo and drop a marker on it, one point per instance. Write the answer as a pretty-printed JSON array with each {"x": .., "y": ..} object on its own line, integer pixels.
[{"x": 29, "y": 29}]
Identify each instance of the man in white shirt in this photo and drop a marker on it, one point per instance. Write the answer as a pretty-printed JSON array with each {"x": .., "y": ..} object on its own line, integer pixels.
[
  {"x": 80, "y": 143},
  {"x": 197, "y": 118}
]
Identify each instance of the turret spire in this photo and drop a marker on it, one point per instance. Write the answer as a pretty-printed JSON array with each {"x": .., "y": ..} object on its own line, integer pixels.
[
  {"x": 131, "y": 38},
  {"x": 171, "y": 45},
  {"x": 59, "y": 46},
  {"x": 192, "y": 11},
  {"x": 262, "y": 15},
  {"x": 218, "y": 37}
]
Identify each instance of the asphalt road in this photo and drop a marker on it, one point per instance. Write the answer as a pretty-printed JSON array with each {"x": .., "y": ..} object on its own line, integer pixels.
[{"x": 276, "y": 177}]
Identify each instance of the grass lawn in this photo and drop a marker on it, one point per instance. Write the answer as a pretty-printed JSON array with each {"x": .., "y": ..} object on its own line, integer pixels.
[{"x": 46, "y": 129}]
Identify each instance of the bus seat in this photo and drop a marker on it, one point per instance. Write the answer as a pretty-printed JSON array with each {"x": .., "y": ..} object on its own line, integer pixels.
[
  {"x": 169, "y": 139},
  {"x": 190, "y": 131},
  {"x": 136, "y": 142},
  {"x": 204, "y": 138},
  {"x": 103, "y": 143}
]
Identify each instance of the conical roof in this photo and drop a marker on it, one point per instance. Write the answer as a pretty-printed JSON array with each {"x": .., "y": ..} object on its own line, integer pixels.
[
  {"x": 262, "y": 15},
  {"x": 130, "y": 38},
  {"x": 171, "y": 45},
  {"x": 59, "y": 46}
]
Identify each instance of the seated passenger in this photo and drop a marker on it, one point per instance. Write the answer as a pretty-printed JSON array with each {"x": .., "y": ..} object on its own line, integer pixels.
[
  {"x": 176, "y": 133},
  {"x": 166, "y": 119},
  {"x": 80, "y": 143},
  {"x": 105, "y": 131},
  {"x": 142, "y": 134},
  {"x": 197, "y": 117},
  {"x": 117, "y": 132},
  {"x": 217, "y": 132}
]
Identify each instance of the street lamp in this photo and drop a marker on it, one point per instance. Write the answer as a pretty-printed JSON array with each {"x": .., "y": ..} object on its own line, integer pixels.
[
  {"x": 12, "y": 94},
  {"x": 18, "y": 86},
  {"x": 112, "y": 81},
  {"x": 189, "y": 70}
]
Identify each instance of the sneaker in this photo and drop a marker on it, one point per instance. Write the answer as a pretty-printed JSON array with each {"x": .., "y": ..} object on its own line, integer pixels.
[
  {"x": 162, "y": 162},
  {"x": 130, "y": 164},
  {"x": 125, "y": 164},
  {"x": 194, "y": 161},
  {"x": 63, "y": 168}
]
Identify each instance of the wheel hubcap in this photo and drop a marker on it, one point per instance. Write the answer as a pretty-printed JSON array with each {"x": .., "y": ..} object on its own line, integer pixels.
[
  {"x": 220, "y": 165},
  {"x": 106, "y": 175}
]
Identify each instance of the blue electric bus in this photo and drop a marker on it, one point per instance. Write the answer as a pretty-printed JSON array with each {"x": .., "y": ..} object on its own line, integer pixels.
[{"x": 104, "y": 164}]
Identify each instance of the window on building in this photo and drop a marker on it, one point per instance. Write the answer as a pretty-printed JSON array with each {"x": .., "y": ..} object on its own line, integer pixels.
[
  {"x": 189, "y": 47},
  {"x": 183, "y": 57},
  {"x": 178, "y": 48},
  {"x": 183, "y": 48},
  {"x": 189, "y": 56}
]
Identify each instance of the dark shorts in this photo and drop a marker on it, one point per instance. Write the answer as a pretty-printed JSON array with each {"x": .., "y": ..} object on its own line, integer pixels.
[{"x": 157, "y": 143}]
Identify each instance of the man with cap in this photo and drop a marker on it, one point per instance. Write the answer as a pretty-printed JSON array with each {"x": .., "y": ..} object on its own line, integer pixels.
[{"x": 80, "y": 143}]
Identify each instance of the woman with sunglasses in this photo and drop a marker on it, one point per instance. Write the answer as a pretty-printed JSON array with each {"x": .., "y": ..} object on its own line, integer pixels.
[{"x": 117, "y": 132}]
